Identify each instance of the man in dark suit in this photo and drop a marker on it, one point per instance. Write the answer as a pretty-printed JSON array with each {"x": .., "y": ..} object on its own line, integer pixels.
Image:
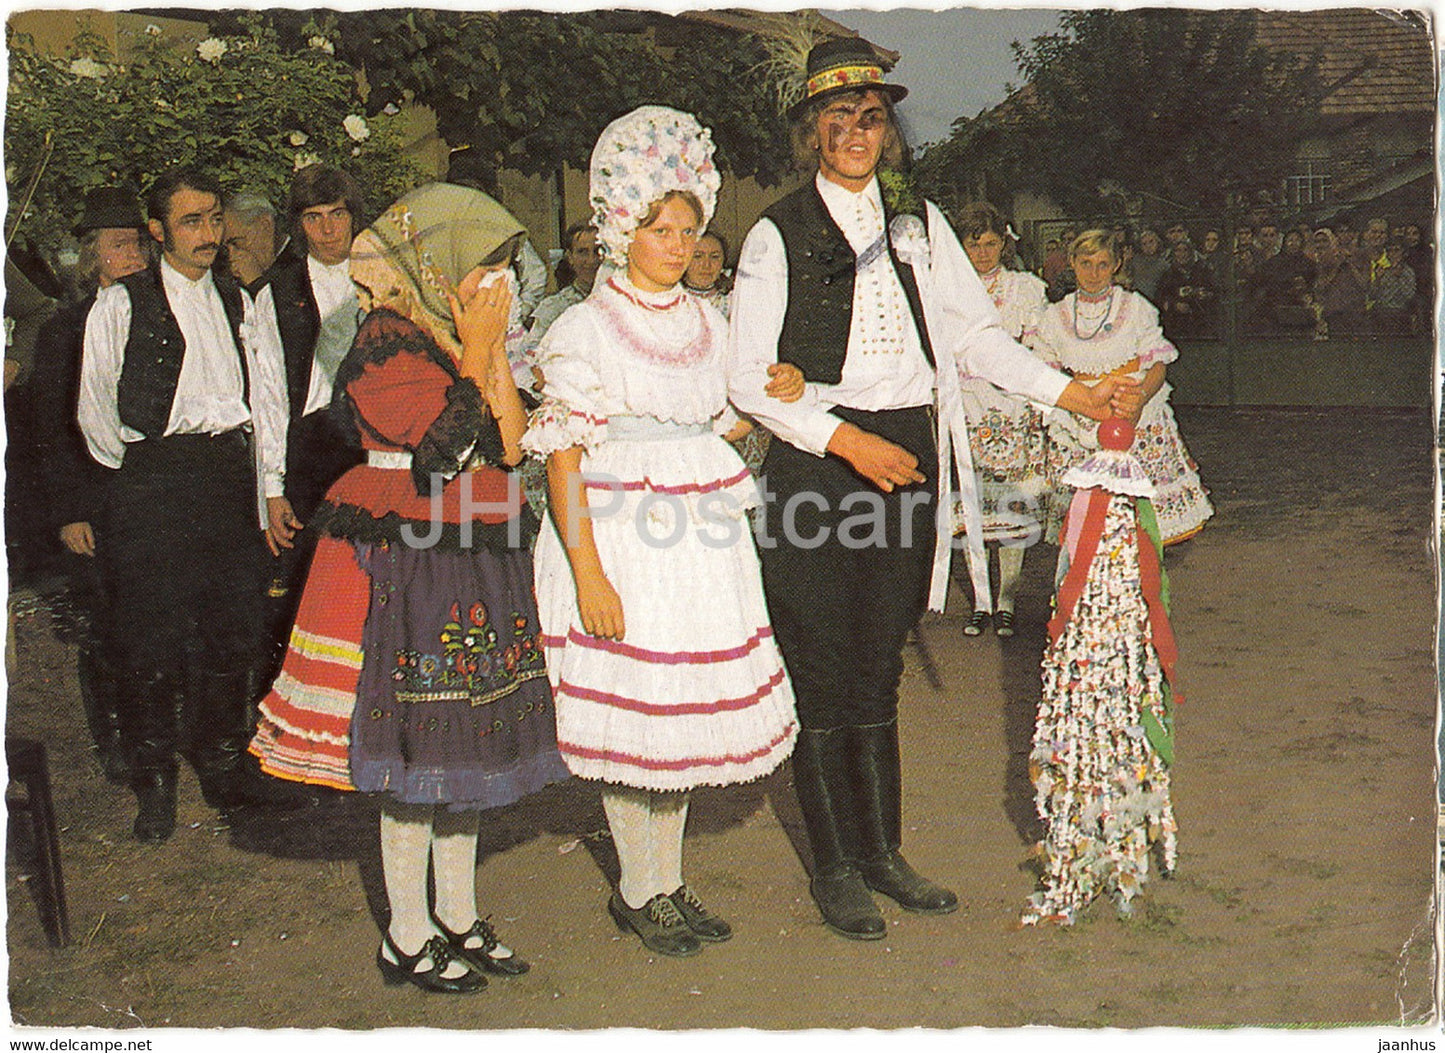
[
  {"x": 316, "y": 312},
  {"x": 111, "y": 247}
]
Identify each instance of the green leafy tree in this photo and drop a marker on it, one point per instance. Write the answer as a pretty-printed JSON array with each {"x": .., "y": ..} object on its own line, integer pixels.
[
  {"x": 237, "y": 105},
  {"x": 531, "y": 91},
  {"x": 1165, "y": 105}
]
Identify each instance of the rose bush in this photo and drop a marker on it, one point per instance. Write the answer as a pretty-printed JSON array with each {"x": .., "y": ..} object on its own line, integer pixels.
[{"x": 237, "y": 106}]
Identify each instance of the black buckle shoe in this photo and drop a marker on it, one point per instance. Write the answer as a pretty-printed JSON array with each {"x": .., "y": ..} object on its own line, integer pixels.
[
  {"x": 658, "y": 923},
  {"x": 848, "y": 910},
  {"x": 482, "y": 957},
  {"x": 705, "y": 925},
  {"x": 439, "y": 951},
  {"x": 977, "y": 622},
  {"x": 891, "y": 875},
  {"x": 1003, "y": 623}
]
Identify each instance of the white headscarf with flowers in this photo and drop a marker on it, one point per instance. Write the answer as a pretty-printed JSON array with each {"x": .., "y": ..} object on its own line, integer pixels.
[{"x": 640, "y": 157}]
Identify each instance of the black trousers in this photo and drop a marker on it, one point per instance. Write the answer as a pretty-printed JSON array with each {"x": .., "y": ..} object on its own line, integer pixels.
[
  {"x": 846, "y": 570},
  {"x": 317, "y": 454},
  {"x": 181, "y": 557}
]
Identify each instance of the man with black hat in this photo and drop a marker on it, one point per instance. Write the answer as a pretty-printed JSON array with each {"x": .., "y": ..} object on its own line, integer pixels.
[
  {"x": 110, "y": 248},
  {"x": 880, "y": 309},
  {"x": 181, "y": 395}
]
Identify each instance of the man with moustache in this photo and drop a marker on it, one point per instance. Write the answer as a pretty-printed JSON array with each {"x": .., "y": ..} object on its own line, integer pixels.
[
  {"x": 181, "y": 396},
  {"x": 317, "y": 314},
  {"x": 866, "y": 301}
]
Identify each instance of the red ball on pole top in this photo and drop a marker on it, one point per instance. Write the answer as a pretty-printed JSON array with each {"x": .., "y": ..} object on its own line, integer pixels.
[{"x": 1116, "y": 433}]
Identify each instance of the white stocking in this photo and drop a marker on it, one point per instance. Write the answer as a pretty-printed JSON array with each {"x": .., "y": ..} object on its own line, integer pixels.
[
  {"x": 629, "y": 819},
  {"x": 405, "y": 846},
  {"x": 669, "y": 818},
  {"x": 454, "y": 868},
  {"x": 647, "y": 831},
  {"x": 406, "y": 841},
  {"x": 1010, "y": 565}
]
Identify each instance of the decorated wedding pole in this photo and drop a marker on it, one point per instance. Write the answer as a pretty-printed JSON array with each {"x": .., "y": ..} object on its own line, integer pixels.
[{"x": 1103, "y": 740}]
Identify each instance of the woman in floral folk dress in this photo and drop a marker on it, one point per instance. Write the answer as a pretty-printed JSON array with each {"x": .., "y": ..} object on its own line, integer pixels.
[
  {"x": 1101, "y": 330},
  {"x": 1008, "y": 436},
  {"x": 658, "y": 643},
  {"x": 414, "y": 669}
]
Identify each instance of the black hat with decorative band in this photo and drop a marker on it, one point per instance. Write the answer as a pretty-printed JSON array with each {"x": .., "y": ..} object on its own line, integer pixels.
[{"x": 843, "y": 64}]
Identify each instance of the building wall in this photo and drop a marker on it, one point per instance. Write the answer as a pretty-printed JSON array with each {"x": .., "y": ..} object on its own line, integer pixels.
[{"x": 53, "y": 31}]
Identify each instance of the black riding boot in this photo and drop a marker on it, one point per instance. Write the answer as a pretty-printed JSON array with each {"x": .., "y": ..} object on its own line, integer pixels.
[
  {"x": 98, "y": 694},
  {"x": 820, "y": 777},
  {"x": 220, "y": 723},
  {"x": 878, "y": 784},
  {"x": 149, "y": 717}
]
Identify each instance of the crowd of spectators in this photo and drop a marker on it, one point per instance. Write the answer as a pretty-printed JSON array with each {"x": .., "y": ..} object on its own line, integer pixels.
[{"x": 1323, "y": 282}]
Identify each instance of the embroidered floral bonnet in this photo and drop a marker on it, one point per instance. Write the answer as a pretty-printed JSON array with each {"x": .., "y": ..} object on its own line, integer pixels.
[{"x": 640, "y": 157}]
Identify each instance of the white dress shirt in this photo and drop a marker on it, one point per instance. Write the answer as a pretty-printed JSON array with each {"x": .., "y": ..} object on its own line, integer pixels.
[
  {"x": 334, "y": 290},
  {"x": 209, "y": 394}
]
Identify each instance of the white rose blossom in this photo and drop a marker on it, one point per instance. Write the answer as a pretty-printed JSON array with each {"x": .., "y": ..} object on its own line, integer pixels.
[
  {"x": 355, "y": 126},
  {"x": 321, "y": 44},
  {"x": 153, "y": 30},
  {"x": 88, "y": 68},
  {"x": 211, "y": 49},
  {"x": 305, "y": 160},
  {"x": 298, "y": 138}
]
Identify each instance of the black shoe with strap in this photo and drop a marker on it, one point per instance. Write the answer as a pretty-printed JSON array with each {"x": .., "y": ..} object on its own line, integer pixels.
[
  {"x": 439, "y": 952},
  {"x": 874, "y": 764},
  {"x": 480, "y": 956},
  {"x": 705, "y": 925},
  {"x": 820, "y": 777}
]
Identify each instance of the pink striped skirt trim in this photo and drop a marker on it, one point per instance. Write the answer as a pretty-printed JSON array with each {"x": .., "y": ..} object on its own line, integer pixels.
[
  {"x": 576, "y": 637},
  {"x": 678, "y": 709},
  {"x": 675, "y": 764}
]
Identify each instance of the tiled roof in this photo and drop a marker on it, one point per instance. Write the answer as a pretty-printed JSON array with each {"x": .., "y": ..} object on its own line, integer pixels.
[{"x": 1381, "y": 61}]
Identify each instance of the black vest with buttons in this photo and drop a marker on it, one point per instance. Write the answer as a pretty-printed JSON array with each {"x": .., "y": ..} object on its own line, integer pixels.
[
  {"x": 821, "y": 269},
  {"x": 155, "y": 350}
]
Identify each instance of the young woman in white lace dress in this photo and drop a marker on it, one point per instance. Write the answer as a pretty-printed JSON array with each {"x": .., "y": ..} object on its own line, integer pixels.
[
  {"x": 658, "y": 643},
  {"x": 1007, "y": 434},
  {"x": 1102, "y": 330}
]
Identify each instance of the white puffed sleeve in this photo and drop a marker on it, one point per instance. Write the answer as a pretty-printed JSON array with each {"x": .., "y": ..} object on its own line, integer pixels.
[{"x": 571, "y": 412}]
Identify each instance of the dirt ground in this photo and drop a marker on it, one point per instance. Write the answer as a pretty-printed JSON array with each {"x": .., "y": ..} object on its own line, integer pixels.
[{"x": 1303, "y": 785}]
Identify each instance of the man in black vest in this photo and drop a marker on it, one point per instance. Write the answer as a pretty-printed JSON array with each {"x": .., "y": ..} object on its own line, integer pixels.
[
  {"x": 181, "y": 394},
  {"x": 317, "y": 313},
  {"x": 866, "y": 299}
]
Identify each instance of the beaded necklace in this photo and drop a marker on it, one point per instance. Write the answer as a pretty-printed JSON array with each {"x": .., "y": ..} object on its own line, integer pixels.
[
  {"x": 643, "y": 303},
  {"x": 1103, "y": 324},
  {"x": 993, "y": 285}
]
